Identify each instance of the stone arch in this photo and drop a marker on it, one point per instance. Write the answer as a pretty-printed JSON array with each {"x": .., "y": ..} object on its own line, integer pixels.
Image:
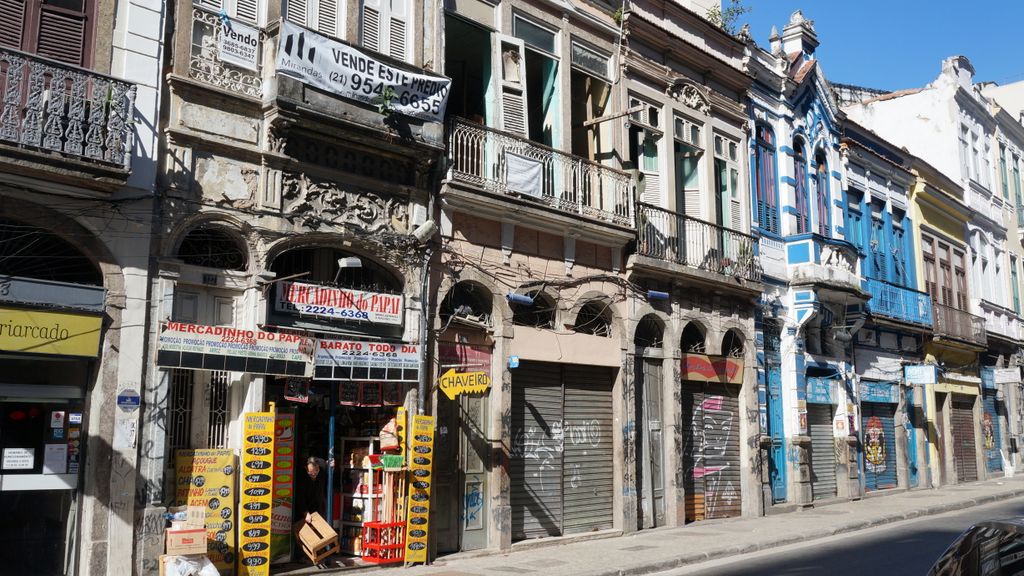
[
  {"x": 469, "y": 301},
  {"x": 733, "y": 343},
  {"x": 693, "y": 338},
  {"x": 499, "y": 312},
  {"x": 542, "y": 313},
  {"x": 321, "y": 241},
  {"x": 649, "y": 332},
  {"x": 229, "y": 224},
  {"x": 605, "y": 300}
]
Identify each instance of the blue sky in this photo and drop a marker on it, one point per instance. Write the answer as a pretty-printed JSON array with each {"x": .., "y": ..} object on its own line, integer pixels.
[{"x": 894, "y": 44}]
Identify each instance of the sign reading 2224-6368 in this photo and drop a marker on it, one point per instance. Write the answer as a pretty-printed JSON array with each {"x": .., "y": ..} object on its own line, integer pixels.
[{"x": 340, "y": 68}]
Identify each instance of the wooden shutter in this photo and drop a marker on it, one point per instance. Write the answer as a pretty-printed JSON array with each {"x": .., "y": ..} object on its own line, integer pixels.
[
  {"x": 295, "y": 11},
  {"x": 327, "y": 17},
  {"x": 397, "y": 43},
  {"x": 61, "y": 36},
  {"x": 371, "y": 25},
  {"x": 511, "y": 59},
  {"x": 247, "y": 10},
  {"x": 12, "y": 22}
]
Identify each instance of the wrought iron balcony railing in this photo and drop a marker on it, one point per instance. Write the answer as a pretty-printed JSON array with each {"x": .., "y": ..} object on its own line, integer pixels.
[
  {"x": 960, "y": 325},
  {"x": 508, "y": 164},
  {"x": 54, "y": 107},
  {"x": 678, "y": 238},
  {"x": 898, "y": 303},
  {"x": 206, "y": 66}
]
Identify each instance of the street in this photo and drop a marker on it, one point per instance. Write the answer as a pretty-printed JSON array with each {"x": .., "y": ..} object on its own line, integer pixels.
[{"x": 903, "y": 548}]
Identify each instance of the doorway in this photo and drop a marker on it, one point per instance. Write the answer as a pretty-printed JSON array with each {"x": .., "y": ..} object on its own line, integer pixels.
[{"x": 649, "y": 444}]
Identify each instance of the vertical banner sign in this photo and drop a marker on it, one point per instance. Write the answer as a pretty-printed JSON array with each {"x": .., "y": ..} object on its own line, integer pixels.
[
  {"x": 206, "y": 479},
  {"x": 257, "y": 494},
  {"x": 401, "y": 422},
  {"x": 421, "y": 457},
  {"x": 284, "y": 491}
]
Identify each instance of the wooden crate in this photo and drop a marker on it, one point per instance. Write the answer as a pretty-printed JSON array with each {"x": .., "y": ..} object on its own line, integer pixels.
[{"x": 318, "y": 539}]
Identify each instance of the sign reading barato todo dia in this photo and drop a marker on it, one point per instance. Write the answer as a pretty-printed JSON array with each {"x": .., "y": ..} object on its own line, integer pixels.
[
  {"x": 339, "y": 68},
  {"x": 203, "y": 347}
]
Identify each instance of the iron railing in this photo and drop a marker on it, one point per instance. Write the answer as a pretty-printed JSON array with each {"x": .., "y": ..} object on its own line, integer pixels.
[
  {"x": 54, "y": 107},
  {"x": 206, "y": 66},
  {"x": 954, "y": 323},
  {"x": 504, "y": 163},
  {"x": 679, "y": 238},
  {"x": 898, "y": 303}
]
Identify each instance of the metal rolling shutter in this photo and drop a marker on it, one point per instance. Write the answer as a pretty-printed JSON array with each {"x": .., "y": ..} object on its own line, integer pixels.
[
  {"x": 823, "y": 456},
  {"x": 964, "y": 459},
  {"x": 536, "y": 462},
  {"x": 587, "y": 482},
  {"x": 692, "y": 421},
  {"x": 720, "y": 409},
  {"x": 881, "y": 473},
  {"x": 993, "y": 458}
]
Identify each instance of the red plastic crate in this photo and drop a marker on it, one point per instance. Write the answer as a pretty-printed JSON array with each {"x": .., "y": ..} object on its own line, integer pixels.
[{"x": 384, "y": 542}]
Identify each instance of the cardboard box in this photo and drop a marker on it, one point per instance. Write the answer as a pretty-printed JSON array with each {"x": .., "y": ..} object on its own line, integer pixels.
[
  {"x": 189, "y": 541},
  {"x": 196, "y": 516}
]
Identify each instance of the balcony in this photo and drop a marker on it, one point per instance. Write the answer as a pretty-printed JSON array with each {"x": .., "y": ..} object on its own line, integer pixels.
[
  {"x": 693, "y": 243},
  {"x": 1000, "y": 321},
  {"x": 509, "y": 165},
  {"x": 829, "y": 263},
  {"x": 206, "y": 66},
  {"x": 898, "y": 303},
  {"x": 54, "y": 111},
  {"x": 983, "y": 202},
  {"x": 959, "y": 325}
]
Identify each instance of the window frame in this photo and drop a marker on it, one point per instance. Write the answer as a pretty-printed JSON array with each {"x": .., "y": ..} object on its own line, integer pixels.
[
  {"x": 801, "y": 200},
  {"x": 766, "y": 169}
]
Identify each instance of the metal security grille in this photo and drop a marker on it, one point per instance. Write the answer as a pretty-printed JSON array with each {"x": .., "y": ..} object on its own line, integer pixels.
[
  {"x": 991, "y": 436},
  {"x": 711, "y": 451},
  {"x": 879, "y": 442},
  {"x": 179, "y": 409},
  {"x": 561, "y": 465},
  {"x": 217, "y": 391},
  {"x": 964, "y": 455},
  {"x": 823, "y": 455}
]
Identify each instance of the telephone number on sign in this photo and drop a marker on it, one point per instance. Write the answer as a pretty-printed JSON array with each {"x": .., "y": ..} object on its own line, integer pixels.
[
  {"x": 360, "y": 85},
  {"x": 340, "y": 313}
]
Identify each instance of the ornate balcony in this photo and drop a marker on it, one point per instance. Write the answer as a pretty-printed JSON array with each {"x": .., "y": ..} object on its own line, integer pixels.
[
  {"x": 825, "y": 262},
  {"x": 681, "y": 239},
  {"x": 959, "y": 325},
  {"x": 1000, "y": 321},
  {"x": 206, "y": 66},
  {"x": 898, "y": 303},
  {"x": 510, "y": 165},
  {"x": 54, "y": 110}
]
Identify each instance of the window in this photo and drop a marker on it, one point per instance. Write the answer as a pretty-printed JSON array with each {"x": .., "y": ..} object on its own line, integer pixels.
[
  {"x": 855, "y": 218},
  {"x": 803, "y": 215},
  {"x": 1003, "y": 175},
  {"x": 945, "y": 273},
  {"x": 534, "y": 35},
  {"x": 878, "y": 251},
  {"x": 965, "y": 151},
  {"x": 591, "y": 60},
  {"x": 384, "y": 25},
  {"x": 1014, "y": 285},
  {"x": 899, "y": 259},
  {"x": 975, "y": 151},
  {"x": 766, "y": 200},
  {"x": 1017, "y": 190},
  {"x": 325, "y": 16},
  {"x": 821, "y": 195},
  {"x": 57, "y": 29},
  {"x": 688, "y": 153},
  {"x": 728, "y": 207},
  {"x": 540, "y": 66}
]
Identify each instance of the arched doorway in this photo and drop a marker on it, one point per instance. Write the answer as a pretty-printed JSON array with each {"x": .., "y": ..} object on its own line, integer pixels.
[{"x": 650, "y": 474}]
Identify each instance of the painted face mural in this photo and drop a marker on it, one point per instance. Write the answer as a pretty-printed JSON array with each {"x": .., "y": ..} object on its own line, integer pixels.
[
  {"x": 986, "y": 431},
  {"x": 874, "y": 445}
]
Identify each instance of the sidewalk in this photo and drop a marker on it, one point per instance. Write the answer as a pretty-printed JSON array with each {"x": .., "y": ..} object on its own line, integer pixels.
[{"x": 663, "y": 549}]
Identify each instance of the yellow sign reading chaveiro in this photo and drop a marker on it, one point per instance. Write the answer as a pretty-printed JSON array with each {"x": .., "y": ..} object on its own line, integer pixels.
[
  {"x": 454, "y": 383},
  {"x": 57, "y": 333}
]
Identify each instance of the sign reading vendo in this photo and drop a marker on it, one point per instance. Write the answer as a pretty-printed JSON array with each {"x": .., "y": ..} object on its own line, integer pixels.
[{"x": 339, "y": 303}]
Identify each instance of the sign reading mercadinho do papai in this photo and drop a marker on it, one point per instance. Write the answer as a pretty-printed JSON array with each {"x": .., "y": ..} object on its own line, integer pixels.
[
  {"x": 204, "y": 347},
  {"x": 339, "y": 303}
]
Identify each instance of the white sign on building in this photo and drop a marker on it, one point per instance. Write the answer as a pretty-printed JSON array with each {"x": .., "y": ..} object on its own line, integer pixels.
[{"x": 239, "y": 44}]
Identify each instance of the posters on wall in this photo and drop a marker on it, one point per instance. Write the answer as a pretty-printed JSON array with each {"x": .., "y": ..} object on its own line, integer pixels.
[
  {"x": 202, "y": 347},
  {"x": 284, "y": 487},
  {"x": 256, "y": 500},
  {"x": 206, "y": 479},
  {"x": 339, "y": 303},
  {"x": 421, "y": 457},
  {"x": 350, "y": 73}
]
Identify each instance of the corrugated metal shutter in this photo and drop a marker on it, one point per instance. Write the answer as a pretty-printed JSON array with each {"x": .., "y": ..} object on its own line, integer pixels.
[
  {"x": 823, "y": 455},
  {"x": 711, "y": 451},
  {"x": 587, "y": 481},
  {"x": 964, "y": 460},
  {"x": 536, "y": 463},
  {"x": 878, "y": 425},
  {"x": 991, "y": 434}
]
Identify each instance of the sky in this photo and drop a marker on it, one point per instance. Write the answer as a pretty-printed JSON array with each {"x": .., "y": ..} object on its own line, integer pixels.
[{"x": 896, "y": 44}]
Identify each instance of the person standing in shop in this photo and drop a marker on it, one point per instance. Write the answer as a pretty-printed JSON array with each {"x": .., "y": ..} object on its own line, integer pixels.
[{"x": 311, "y": 492}]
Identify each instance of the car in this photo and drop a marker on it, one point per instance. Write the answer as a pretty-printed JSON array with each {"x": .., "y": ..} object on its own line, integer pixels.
[{"x": 990, "y": 548}]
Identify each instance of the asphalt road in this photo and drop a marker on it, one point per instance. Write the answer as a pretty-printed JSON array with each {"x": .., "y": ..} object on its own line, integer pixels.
[{"x": 904, "y": 549}]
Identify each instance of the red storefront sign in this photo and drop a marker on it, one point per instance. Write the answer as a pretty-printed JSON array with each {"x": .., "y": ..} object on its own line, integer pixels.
[{"x": 703, "y": 368}]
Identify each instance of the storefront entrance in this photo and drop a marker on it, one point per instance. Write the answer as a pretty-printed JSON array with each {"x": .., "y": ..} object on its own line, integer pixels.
[
  {"x": 711, "y": 450},
  {"x": 964, "y": 449}
]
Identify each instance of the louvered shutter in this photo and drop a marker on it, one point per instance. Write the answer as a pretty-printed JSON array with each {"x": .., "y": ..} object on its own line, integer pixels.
[
  {"x": 61, "y": 36},
  {"x": 247, "y": 10},
  {"x": 295, "y": 11},
  {"x": 371, "y": 20},
  {"x": 692, "y": 204},
  {"x": 823, "y": 457},
  {"x": 511, "y": 59},
  {"x": 12, "y": 22},
  {"x": 327, "y": 17},
  {"x": 397, "y": 43},
  {"x": 964, "y": 455}
]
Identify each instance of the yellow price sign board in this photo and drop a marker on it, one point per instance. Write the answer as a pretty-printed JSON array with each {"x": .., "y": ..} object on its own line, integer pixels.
[
  {"x": 454, "y": 383},
  {"x": 421, "y": 458},
  {"x": 206, "y": 479},
  {"x": 256, "y": 501}
]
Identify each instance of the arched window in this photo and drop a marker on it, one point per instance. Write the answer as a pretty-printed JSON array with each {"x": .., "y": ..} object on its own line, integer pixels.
[
  {"x": 594, "y": 318},
  {"x": 821, "y": 194},
  {"x": 212, "y": 248},
  {"x": 692, "y": 340},
  {"x": 732, "y": 344},
  {"x": 765, "y": 194},
  {"x": 540, "y": 314},
  {"x": 467, "y": 303},
  {"x": 803, "y": 209},
  {"x": 32, "y": 252},
  {"x": 650, "y": 332},
  {"x": 320, "y": 266}
]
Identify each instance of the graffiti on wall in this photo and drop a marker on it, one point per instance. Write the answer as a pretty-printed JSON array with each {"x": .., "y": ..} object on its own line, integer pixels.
[{"x": 874, "y": 445}]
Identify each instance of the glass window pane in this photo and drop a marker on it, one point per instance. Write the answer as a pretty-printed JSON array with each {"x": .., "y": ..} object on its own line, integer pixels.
[{"x": 534, "y": 35}]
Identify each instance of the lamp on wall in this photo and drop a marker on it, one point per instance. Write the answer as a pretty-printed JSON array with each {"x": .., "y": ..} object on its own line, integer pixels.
[
  {"x": 657, "y": 295},
  {"x": 347, "y": 262},
  {"x": 523, "y": 299}
]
